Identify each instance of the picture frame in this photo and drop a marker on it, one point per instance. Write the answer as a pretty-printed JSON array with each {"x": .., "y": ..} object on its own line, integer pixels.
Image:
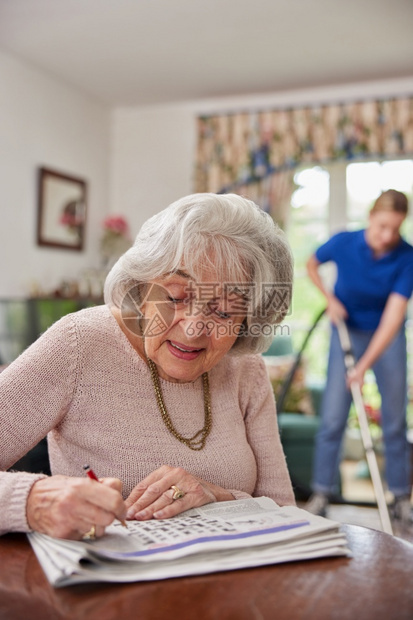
[{"x": 61, "y": 211}]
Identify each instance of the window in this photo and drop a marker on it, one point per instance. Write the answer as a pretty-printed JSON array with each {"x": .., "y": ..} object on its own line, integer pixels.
[
  {"x": 307, "y": 229},
  {"x": 328, "y": 198},
  {"x": 365, "y": 181}
]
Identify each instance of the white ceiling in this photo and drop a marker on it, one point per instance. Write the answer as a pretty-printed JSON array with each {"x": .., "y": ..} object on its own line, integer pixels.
[{"x": 138, "y": 52}]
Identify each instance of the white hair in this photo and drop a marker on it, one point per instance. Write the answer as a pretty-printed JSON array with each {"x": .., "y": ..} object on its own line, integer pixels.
[{"x": 225, "y": 232}]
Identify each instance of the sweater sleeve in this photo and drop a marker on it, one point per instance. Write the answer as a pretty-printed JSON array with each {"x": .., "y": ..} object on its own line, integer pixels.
[
  {"x": 35, "y": 392},
  {"x": 263, "y": 435},
  {"x": 14, "y": 490}
]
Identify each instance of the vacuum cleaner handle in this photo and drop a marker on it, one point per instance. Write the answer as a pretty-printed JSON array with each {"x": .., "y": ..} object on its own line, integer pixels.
[{"x": 349, "y": 362}]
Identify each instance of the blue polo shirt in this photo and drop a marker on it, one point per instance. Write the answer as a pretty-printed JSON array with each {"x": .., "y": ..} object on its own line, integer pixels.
[{"x": 364, "y": 282}]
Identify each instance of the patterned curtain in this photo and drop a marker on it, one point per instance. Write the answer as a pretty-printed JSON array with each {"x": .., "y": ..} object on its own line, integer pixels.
[{"x": 255, "y": 154}]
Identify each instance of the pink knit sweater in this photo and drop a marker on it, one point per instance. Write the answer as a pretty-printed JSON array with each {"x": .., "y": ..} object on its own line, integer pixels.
[{"x": 83, "y": 384}]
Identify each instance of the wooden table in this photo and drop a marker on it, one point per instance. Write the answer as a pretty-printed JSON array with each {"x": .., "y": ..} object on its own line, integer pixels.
[{"x": 376, "y": 583}]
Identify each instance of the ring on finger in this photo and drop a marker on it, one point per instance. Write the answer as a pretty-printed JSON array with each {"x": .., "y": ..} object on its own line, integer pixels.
[
  {"x": 177, "y": 492},
  {"x": 91, "y": 534}
]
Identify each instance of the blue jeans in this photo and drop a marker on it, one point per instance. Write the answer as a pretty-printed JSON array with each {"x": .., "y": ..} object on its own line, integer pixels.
[{"x": 391, "y": 375}]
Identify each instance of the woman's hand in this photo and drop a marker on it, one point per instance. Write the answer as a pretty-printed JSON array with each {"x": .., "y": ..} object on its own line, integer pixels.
[
  {"x": 336, "y": 311},
  {"x": 65, "y": 507},
  {"x": 356, "y": 375},
  {"x": 153, "y": 497}
]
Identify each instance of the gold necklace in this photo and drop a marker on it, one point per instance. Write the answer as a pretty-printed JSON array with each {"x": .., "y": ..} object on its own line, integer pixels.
[{"x": 197, "y": 441}]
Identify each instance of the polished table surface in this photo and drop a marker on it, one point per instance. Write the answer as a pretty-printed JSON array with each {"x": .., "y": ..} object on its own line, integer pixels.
[{"x": 376, "y": 583}]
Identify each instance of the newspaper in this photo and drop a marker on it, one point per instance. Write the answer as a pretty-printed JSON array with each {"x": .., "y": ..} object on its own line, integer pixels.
[{"x": 216, "y": 537}]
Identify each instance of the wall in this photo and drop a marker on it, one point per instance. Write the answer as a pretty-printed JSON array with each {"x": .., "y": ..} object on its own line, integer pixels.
[
  {"x": 153, "y": 148},
  {"x": 44, "y": 122},
  {"x": 151, "y": 159},
  {"x": 136, "y": 160}
]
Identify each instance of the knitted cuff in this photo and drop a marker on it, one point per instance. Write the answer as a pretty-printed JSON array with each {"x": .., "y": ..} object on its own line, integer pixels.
[
  {"x": 239, "y": 494},
  {"x": 15, "y": 488}
]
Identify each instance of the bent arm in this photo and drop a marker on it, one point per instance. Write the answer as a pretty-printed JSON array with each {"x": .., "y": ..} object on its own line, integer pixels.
[
  {"x": 35, "y": 391},
  {"x": 312, "y": 269},
  {"x": 336, "y": 311},
  {"x": 391, "y": 321},
  {"x": 273, "y": 479}
]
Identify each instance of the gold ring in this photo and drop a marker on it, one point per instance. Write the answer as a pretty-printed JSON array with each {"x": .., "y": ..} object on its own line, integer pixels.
[
  {"x": 91, "y": 534},
  {"x": 177, "y": 493}
]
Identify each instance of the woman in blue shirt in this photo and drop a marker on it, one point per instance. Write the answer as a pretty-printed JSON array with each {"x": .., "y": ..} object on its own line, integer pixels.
[{"x": 374, "y": 283}]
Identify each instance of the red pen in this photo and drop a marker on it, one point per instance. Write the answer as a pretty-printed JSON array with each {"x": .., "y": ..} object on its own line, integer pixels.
[{"x": 89, "y": 472}]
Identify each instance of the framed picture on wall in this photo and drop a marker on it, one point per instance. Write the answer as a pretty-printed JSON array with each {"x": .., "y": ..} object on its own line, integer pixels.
[{"x": 61, "y": 215}]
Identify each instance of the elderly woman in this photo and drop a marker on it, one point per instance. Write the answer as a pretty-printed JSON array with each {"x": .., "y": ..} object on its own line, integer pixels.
[{"x": 162, "y": 386}]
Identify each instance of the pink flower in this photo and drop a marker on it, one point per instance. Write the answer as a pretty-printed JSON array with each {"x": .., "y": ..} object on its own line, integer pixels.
[{"x": 116, "y": 224}]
